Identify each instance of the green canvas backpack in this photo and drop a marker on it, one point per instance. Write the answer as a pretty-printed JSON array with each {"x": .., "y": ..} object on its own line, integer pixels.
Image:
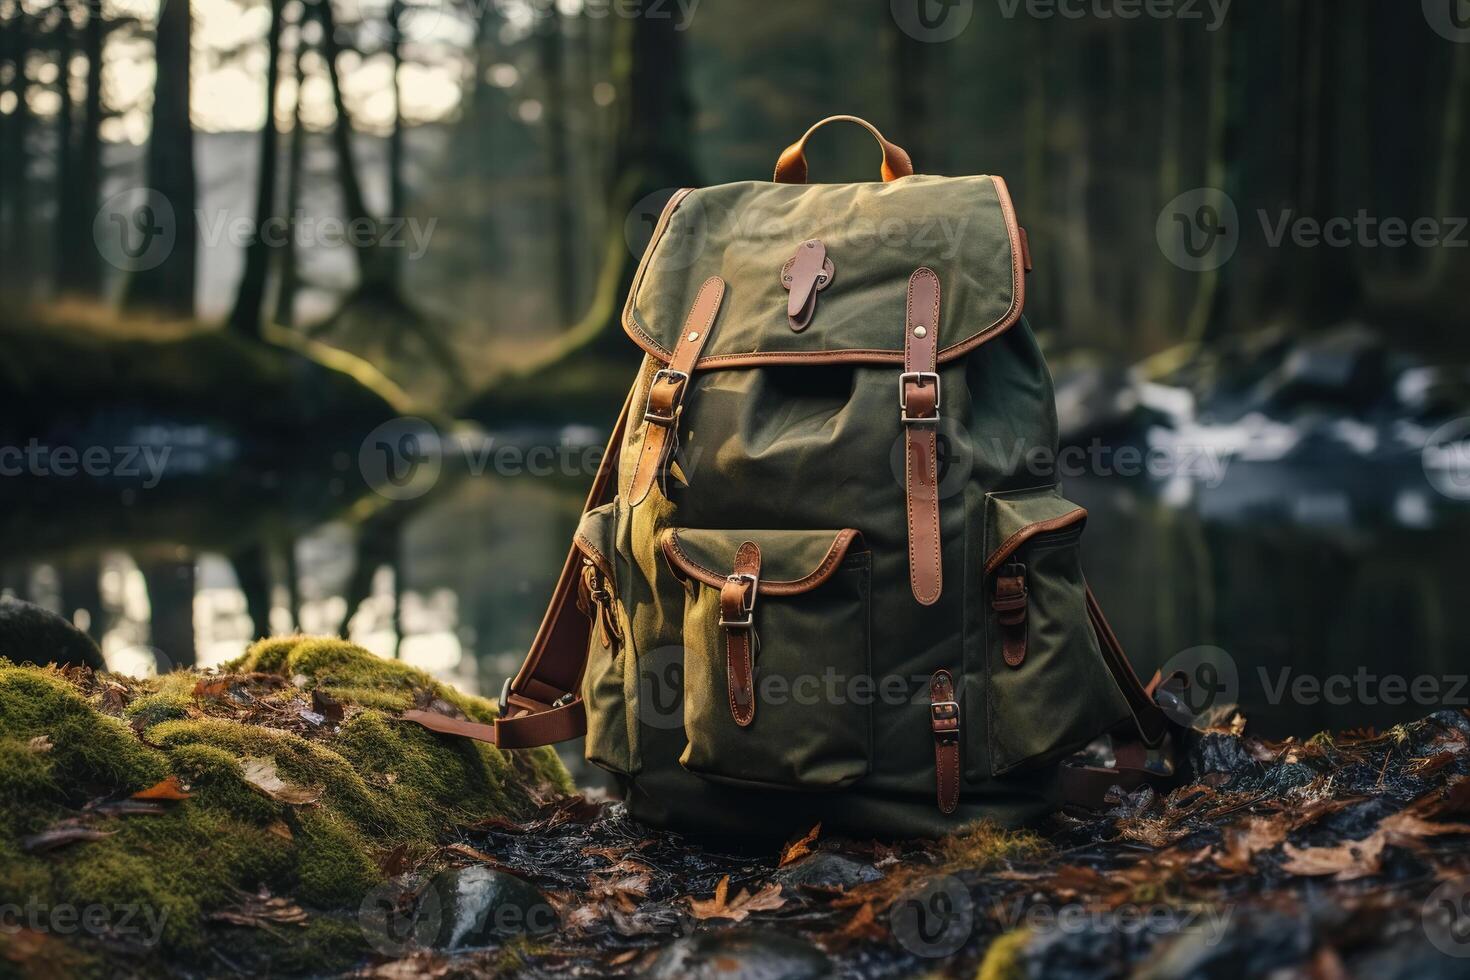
[{"x": 826, "y": 572}]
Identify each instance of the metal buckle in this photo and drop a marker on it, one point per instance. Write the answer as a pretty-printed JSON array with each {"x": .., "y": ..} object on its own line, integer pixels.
[
  {"x": 673, "y": 376},
  {"x": 944, "y": 711},
  {"x": 504, "y": 696},
  {"x": 564, "y": 700},
  {"x": 919, "y": 378},
  {"x": 747, "y": 602}
]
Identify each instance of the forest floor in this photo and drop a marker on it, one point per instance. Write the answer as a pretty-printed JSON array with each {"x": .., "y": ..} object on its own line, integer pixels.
[{"x": 277, "y": 817}]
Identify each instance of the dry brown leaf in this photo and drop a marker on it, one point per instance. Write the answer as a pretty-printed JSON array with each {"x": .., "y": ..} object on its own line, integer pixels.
[
  {"x": 262, "y": 910},
  {"x": 280, "y": 829},
  {"x": 261, "y": 773},
  {"x": 721, "y": 906},
  {"x": 165, "y": 789},
  {"x": 1405, "y": 827},
  {"x": 60, "y": 836},
  {"x": 801, "y": 847},
  {"x": 1243, "y": 842},
  {"x": 40, "y": 743},
  {"x": 1346, "y": 861}
]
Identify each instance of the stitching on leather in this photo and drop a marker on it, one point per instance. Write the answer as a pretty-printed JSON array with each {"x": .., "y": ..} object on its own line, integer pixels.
[
  {"x": 596, "y": 555},
  {"x": 806, "y": 583},
  {"x": 929, "y": 445},
  {"x": 1013, "y": 542}
]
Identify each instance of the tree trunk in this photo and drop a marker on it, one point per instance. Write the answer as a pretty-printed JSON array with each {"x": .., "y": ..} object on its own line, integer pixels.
[
  {"x": 553, "y": 122},
  {"x": 290, "y": 273},
  {"x": 170, "y": 586},
  {"x": 245, "y": 318},
  {"x": 16, "y": 270},
  {"x": 169, "y": 286},
  {"x": 68, "y": 204}
]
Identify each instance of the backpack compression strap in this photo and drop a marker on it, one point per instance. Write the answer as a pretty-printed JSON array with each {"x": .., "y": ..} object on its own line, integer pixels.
[
  {"x": 1088, "y": 786},
  {"x": 542, "y": 703}
]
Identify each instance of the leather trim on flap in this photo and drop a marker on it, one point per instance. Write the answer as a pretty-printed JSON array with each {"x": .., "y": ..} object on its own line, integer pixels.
[
  {"x": 1009, "y": 545},
  {"x": 676, "y": 549},
  {"x": 993, "y": 298}
]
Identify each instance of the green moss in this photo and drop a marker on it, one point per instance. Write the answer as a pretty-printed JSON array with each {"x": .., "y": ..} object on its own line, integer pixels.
[
  {"x": 983, "y": 844},
  {"x": 382, "y": 783}
]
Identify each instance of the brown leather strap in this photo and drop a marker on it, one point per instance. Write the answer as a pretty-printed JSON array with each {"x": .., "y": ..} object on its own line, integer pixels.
[
  {"x": 944, "y": 722},
  {"x": 1010, "y": 604},
  {"x": 1088, "y": 786},
  {"x": 808, "y": 272},
  {"x": 669, "y": 386},
  {"x": 542, "y": 704},
  {"x": 791, "y": 167},
  {"x": 1153, "y": 725},
  {"x": 737, "y": 619},
  {"x": 918, "y": 398}
]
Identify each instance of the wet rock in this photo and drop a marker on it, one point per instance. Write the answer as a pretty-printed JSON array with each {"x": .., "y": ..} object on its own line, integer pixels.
[
  {"x": 1218, "y": 752},
  {"x": 740, "y": 955},
  {"x": 1223, "y": 946},
  {"x": 826, "y": 869},
  {"x": 1286, "y": 775},
  {"x": 31, "y": 633},
  {"x": 1450, "y": 719},
  {"x": 479, "y": 905},
  {"x": 1345, "y": 366}
]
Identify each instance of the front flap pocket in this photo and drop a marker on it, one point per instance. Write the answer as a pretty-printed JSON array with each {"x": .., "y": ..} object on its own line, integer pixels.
[
  {"x": 604, "y": 683},
  {"x": 1049, "y": 690},
  {"x": 777, "y": 683}
]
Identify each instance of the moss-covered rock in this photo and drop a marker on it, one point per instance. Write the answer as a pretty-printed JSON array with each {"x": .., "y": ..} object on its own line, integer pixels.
[{"x": 299, "y": 781}]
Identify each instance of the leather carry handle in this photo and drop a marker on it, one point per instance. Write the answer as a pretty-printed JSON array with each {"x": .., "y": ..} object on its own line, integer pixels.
[{"x": 791, "y": 166}]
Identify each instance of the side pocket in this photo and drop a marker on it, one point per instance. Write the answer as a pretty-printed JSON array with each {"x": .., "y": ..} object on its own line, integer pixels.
[
  {"x": 1049, "y": 690},
  {"x": 603, "y": 684},
  {"x": 811, "y": 727}
]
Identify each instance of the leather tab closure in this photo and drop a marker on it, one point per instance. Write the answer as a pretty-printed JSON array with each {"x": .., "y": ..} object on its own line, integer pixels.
[
  {"x": 737, "y": 620},
  {"x": 944, "y": 723},
  {"x": 1009, "y": 603},
  {"x": 805, "y": 274},
  {"x": 918, "y": 400},
  {"x": 669, "y": 386}
]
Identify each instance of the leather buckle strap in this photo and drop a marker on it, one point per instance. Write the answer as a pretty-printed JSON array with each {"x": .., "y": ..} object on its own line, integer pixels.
[
  {"x": 919, "y": 379},
  {"x": 944, "y": 724},
  {"x": 670, "y": 399},
  {"x": 1010, "y": 601},
  {"x": 669, "y": 386},
  {"x": 737, "y": 620},
  {"x": 918, "y": 399}
]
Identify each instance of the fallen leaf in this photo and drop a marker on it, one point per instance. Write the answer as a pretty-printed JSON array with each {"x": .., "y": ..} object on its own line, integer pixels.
[
  {"x": 211, "y": 688},
  {"x": 61, "y": 836},
  {"x": 326, "y": 706},
  {"x": 166, "y": 789},
  {"x": 1405, "y": 827},
  {"x": 261, "y": 773},
  {"x": 473, "y": 853},
  {"x": 721, "y": 906},
  {"x": 1346, "y": 861},
  {"x": 281, "y": 829},
  {"x": 1243, "y": 842},
  {"x": 40, "y": 743},
  {"x": 801, "y": 847},
  {"x": 262, "y": 910}
]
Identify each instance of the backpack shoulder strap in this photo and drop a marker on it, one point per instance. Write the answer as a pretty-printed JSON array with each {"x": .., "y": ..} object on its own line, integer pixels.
[{"x": 542, "y": 703}]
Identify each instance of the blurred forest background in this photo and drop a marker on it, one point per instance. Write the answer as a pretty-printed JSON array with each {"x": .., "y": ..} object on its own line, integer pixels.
[{"x": 502, "y": 161}]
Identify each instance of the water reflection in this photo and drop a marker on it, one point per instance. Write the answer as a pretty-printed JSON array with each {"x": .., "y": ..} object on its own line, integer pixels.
[{"x": 1319, "y": 586}]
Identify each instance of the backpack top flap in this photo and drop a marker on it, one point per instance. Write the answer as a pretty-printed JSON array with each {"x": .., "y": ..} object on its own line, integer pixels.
[{"x": 874, "y": 236}]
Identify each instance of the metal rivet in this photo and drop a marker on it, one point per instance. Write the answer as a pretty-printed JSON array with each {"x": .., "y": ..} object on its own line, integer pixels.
[
  {"x": 920, "y": 332},
  {"x": 693, "y": 336},
  {"x": 786, "y": 278},
  {"x": 811, "y": 244}
]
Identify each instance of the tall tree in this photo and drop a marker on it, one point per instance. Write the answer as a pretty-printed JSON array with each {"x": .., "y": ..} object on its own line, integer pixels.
[
  {"x": 169, "y": 286},
  {"x": 290, "y": 272},
  {"x": 15, "y": 193},
  {"x": 559, "y": 193},
  {"x": 245, "y": 317}
]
